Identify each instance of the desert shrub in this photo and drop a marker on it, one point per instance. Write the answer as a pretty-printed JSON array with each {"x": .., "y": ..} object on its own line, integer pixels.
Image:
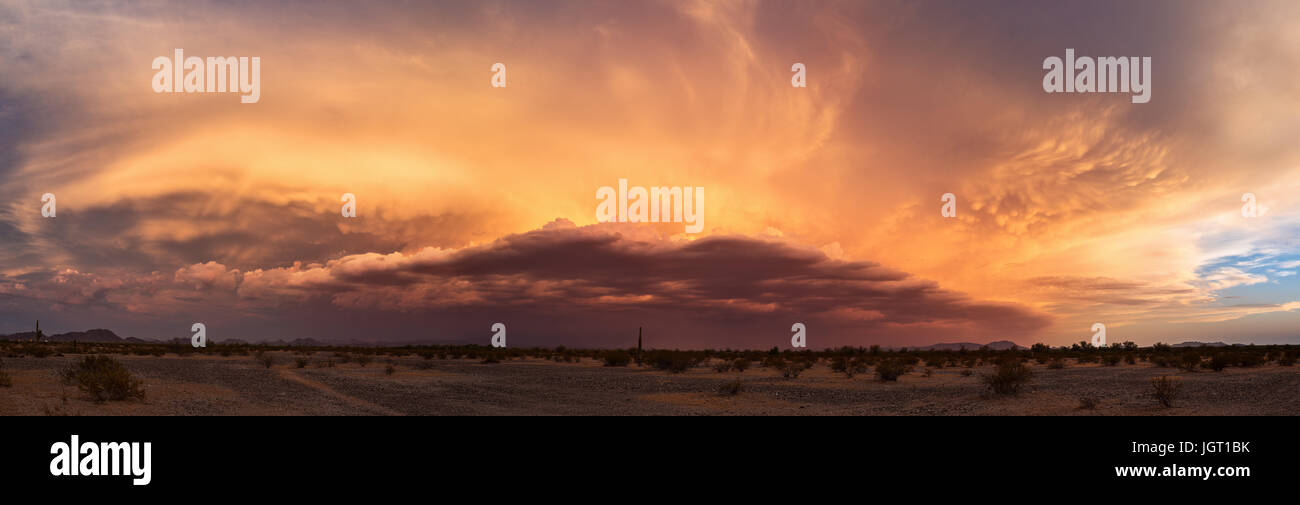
[
  {"x": 1248, "y": 359},
  {"x": 363, "y": 360},
  {"x": 967, "y": 373},
  {"x": 1166, "y": 389},
  {"x": 927, "y": 372},
  {"x": 848, "y": 366},
  {"x": 723, "y": 366},
  {"x": 39, "y": 351},
  {"x": 1286, "y": 360},
  {"x": 617, "y": 358},
  {"x": 1008, "y": 378},
  {"x": 329, "y": 363},
  {"x": 1130, "y": 359},
  {"x": 265, "y": 358},
  {"x": 390, "y": 369},
  {"x": 1217, "y": 362},
  {"x": 1056, "y": 364},
  {"x": 1111, "y": 359},
  {"x": 103, "y": 378},
  {"x": 934, "y": 362},
  {"x": 792, "y": 369},
  {"x": 891, "y": 369},
  {"x": 1089, "y": 402},
  {"x": 740, "y": 364},
  {"x": 1190, "y": 361},
  {"x": 5, "y": 381},
  {"x": 300, "y": 362},
  {"x": 491, "y": 358},
  {"x": 675, "y": 362},
  {"x": 731, "y": 388}
]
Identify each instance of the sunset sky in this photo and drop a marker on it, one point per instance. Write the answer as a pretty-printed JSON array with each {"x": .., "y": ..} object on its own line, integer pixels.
[{"x": 477, "y": 204}]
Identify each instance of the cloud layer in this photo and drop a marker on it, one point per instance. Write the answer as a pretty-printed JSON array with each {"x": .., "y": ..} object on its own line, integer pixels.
[{"x": 475, "y": 203}]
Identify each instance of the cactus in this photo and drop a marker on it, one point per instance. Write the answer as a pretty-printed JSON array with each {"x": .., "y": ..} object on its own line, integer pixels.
[{"x": 39, "y": 336}]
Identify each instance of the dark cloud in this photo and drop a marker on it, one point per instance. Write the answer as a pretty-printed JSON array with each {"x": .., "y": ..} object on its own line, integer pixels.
[{"x": 564, "y": 284}]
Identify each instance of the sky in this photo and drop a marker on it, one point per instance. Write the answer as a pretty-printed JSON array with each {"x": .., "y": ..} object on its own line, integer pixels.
[{"x": 477, "y": 204}]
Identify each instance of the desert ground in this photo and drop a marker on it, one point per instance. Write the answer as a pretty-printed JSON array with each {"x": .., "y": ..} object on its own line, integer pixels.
[{"x": 240, "y": 385}]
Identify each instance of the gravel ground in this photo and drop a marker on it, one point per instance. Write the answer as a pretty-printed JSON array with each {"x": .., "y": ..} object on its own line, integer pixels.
[{"x": 236, "y": 385}]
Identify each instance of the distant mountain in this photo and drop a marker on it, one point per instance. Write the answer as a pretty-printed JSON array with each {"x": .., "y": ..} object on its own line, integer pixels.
[
  {"x": 1201, "y": 344},
  {"x": 1000, "y": 345},
  {"x": 96, "y": 335},
  {"x": 299, "y": 342}
]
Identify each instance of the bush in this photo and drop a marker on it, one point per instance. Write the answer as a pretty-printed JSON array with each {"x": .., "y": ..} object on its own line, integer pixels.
[
  {"x": 489, "y": 358},
  {"x": 966, "y": 373},
  {"x": 1111, "y": 359},
  {"x": 388, "y": 370},
  {"x": 265, "y": 358},
  {"x": 5, "y": 381},
  {"x": 300, "y": 362},
  {"x": 1248, "y": 359},
  {"x": 1056, "y": 364},
  {"x": 617, "y": 358},
  {"x": 723, "y": 366},
  {"x": 1190, "y": 361},
  {"x": 891, "y": 369},
  {"x": 848, "y": 366},
  {"x": 363, "y": 360},
  {"x": 1217, "y": 362},
  {"x": 731, "y": 388},
  {"x": 741, "y": 364},
  {"x": 1089, "y": 402},
  {"x": 103, "y": 378},
  {"x": 1167, "y": 389},
  {"x": 1009, "y": 377},
  {"x": 674, "y": 362}
]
